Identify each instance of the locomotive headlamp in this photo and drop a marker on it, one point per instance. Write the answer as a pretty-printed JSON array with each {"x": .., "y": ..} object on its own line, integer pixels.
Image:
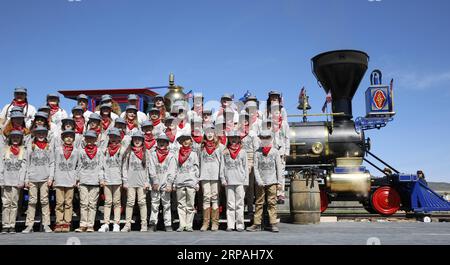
[{"x": 317, "y": 148}]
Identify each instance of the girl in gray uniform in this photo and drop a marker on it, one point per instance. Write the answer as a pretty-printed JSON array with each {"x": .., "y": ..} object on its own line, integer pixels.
[
  {"x": 268, "y": 175},
  {"x": 171, "y": 133},
  {"x": 41, "y": 168},
  {"x": 112, "y": 165},
  {"x": 121, "y": 124},
  {"x": 158, "y": 124},
  {"x": 65, "y": 179},
  {"x": 280, "y": 132},
  {"x": 186, "y": 182},
  {"x": 162, "y": 173},
  {"x": 136, "y": 179},
  {"x": 250, "y": 144},
  {"x": 13, "y": 168},
  {"x": 68, "y": 124},
  {"x": 149, "y": 138},
  {"x": 107, "y": 122},
  {"x": 80, "y": 119},
  {"x": 41, "y": 119},
  {"x": 234, "y": 176},
  {"x": 210, "y": 155},
  {"x": 197, "y": 134},
  {"x": 131, "y": 119},
  {"x": 94, "y": 124},
  {"x": 90, "y": 176}
]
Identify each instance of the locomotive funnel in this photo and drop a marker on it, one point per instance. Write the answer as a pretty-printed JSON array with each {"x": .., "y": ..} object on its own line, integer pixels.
[{"x": 340, "y": 72}]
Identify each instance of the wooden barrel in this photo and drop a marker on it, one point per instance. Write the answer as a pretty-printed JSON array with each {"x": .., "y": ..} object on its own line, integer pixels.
[{"x": 305, "y": 201}]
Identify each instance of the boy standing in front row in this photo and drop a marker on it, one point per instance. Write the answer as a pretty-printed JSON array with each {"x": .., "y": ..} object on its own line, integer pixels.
[
  {"x": 65, "y": 179},
  {"x": 186, "y": 182},
  {"x": 268, "y": 176},
  {"x": 162, "y": 172},
  {"x": 90, "y": 176},
  {"x": 234, "y": 176}
]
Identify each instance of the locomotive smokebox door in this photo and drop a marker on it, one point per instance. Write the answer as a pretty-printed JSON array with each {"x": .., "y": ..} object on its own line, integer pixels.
[{"x": 379, "y": 98}]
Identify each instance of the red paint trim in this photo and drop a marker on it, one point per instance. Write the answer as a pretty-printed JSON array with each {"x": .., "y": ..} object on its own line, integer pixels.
[{"x": 72, "y": 94}]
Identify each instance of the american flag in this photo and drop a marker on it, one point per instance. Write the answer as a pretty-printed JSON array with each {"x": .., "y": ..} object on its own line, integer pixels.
[
  {"x": 302, "y": 93},
  {"x": 188, "y": 95},
  {"x": 246, "y": 95},
  {"x": 327, "y": 100}
]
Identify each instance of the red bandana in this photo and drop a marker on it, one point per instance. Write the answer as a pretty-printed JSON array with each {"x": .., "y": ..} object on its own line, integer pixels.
[
  {"x": 91, "y": 150},
  {"x": 149, "y": 141},
  {"x": 15, "y": 149},
  {"x": 181, "y": 124},
  {"x": 223, "y": 139},
  {"x": 113, "y": 148},
  {"x": 122, "y": 134},
  {"x": 197, "y": 138},
  {"x": 41, "y": 145},
  {"x": 105, "y": 123},
  {"x": 161, "y": 153},
  {"x": 266, "y": 149},
  {"x": 18, "y": 128},
  {"x": 210, "y": 146},
  {"x": 138, "y": 151},
  {"x": 277, "y": 123},
  {"x": 130, "y": 125},
  {"x": 53, "y": 108},
  {"x": 79, "y": 124},
  {"x": 183, "y": 154},
  {"x": 170, "y": 134},
  {"x": 234, "y": 150},
  {"x": 156, "y": 122},
  {"x": 98, "y": 130},
  {"x": 67, "y": 149},
  {"x": 21, "y": 104}
]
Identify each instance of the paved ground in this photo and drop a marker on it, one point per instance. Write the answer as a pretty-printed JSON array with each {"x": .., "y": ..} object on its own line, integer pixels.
[{"x": 341, "y": 233}]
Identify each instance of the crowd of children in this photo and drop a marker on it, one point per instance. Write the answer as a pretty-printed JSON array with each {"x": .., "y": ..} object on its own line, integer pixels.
[{"x": 176, "y": 155}]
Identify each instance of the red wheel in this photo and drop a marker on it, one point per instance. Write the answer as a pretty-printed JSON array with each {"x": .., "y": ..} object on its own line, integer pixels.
[
  {"x": 323, "y": 200},
  {"x": 386, "y": 200}
]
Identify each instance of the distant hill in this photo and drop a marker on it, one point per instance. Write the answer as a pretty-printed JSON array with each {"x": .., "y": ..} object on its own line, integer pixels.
[{"x": 439, "y": 186}]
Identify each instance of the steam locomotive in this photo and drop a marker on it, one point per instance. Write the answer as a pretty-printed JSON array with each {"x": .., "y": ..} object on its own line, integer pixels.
[{"x": 333, "y": 151}]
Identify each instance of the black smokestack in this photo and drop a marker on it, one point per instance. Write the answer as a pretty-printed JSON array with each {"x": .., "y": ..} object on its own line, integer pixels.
[{"x": 341, "y": 72}]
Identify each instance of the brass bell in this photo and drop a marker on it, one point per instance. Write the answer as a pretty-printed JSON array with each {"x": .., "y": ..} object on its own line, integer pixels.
[
  {"x": 175, "y": 93},
  {"x": 304, "y": 103}
]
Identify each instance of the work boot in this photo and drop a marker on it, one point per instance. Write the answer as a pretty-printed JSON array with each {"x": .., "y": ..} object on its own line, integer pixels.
[
  {"x": 47, "y": 229},
  {"x": 65, "y": 228},
  {"x": 90, "y": 229},
  {"x": 12, "y": 230},
  {"x": 28, "y": 229},
  {"x": 180, "y": 229},
  {"x": 58, "y": 228},
  {"x": 274, "y": 228},
  {"x": 152, "y": 228},
  {"x": 254, "y": 228},
  {"x": 206, "y": 219},
  {"x": 144, "y": 227},
  {"x": 169, "y": 228},
  {"x": 189, "y": 229},
  {"x": 126, "y": 228},
  {"x": 215, "y": 220}
]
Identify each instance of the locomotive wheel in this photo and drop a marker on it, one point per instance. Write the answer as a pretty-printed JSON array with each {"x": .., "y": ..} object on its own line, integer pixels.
[
  {"x": 386, "y": 200},
  {"x": 323, "y": 200}
]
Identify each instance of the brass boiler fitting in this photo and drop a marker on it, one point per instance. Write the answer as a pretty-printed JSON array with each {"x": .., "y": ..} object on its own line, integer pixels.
[{"x": 353, "y": 181}]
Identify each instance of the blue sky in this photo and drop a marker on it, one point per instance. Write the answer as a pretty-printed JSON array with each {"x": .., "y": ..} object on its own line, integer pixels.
[{"x": 238, "y": 45}]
